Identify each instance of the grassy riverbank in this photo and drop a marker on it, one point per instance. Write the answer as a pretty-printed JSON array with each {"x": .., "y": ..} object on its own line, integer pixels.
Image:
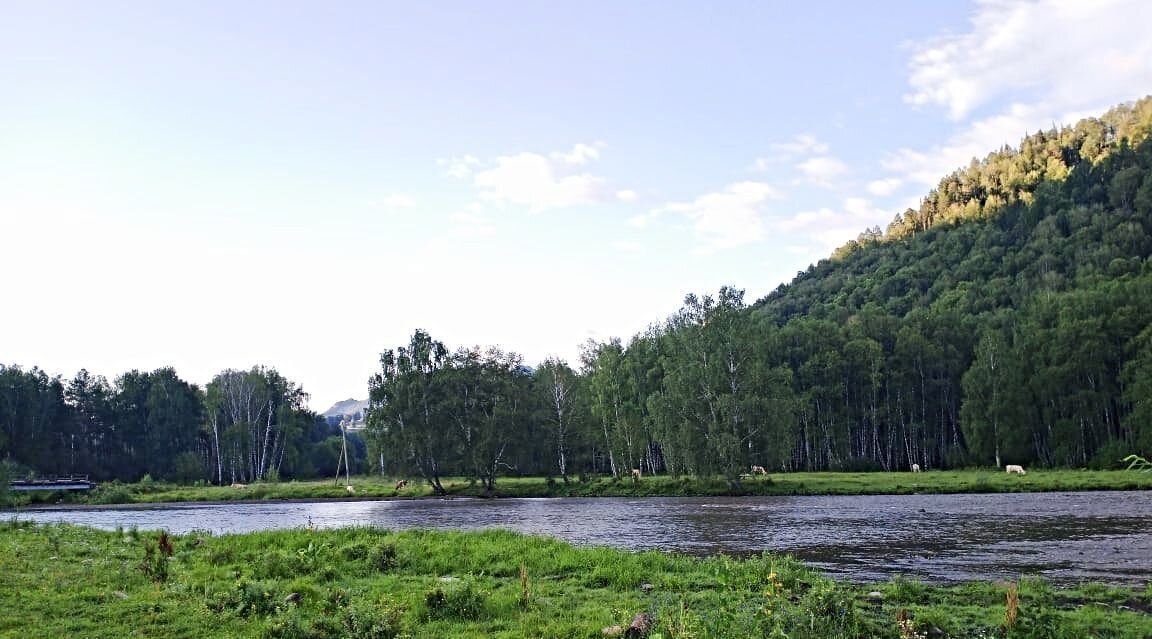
[
  {"x": 373, "y": 487},
  {"x": 67, "y": 581}
]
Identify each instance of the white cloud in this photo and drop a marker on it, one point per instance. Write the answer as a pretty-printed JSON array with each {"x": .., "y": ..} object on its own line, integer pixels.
[
  {"x": 723, "y": 219},
  {"x": 885, "y": 187},
  {"x": 974, "y": 141},
  {"x": 803, "y": 144},
  {"x": 1029, "y": 65},
  {"x": 580, "y": 154},
  {"x": 536, "y": 180},
  {"x": 626, "y": 195},
  {"x": 459, "y": 167},
  {"x": 1066, "y": 52},
  {"x": 829, "y": 227},
  {"x": 822, "y": 170},
  {"x": 762, "y": 165}
]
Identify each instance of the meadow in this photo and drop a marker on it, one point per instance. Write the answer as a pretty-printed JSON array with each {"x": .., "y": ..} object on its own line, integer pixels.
[
  {"x": 826, "y": 483},
  {"x": 67, "y": 581}
]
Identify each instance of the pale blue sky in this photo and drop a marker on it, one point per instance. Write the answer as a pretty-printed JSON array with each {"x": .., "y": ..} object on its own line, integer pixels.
[{"x": 216, "y": 184}]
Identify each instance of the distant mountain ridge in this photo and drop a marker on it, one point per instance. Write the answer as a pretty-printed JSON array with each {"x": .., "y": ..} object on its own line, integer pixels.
[
  {"x": 350, "y": 412},
  {"x": 347, "y": 407}
]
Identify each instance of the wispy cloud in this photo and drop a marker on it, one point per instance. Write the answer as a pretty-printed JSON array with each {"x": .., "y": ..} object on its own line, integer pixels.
[
  {"x": 831, "y": 227},
  {"x": 1065, "y": 53},
  {"x": 800, "y": 146},
  {"x": 884, "y": 187},
  {"x": 731, "y": 217},
  {"x": 822, "y": 171},
  {"x": 1024, "y": 66},
  {"x": 537, "y": 181},
  {"x": 459, "y": 167}
]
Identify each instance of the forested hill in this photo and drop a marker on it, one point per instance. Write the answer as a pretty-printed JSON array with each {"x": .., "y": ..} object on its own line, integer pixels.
[
  {"x": 1006, "y": 319},
  {"x": 1065, "y": 205}
]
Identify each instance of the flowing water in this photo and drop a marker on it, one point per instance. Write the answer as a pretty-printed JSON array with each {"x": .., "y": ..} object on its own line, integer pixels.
[{"x": 1064, "y": 537}]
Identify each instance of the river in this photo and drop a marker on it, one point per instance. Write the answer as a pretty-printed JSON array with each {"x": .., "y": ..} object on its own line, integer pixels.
[{"x": 1063, "y": 537}]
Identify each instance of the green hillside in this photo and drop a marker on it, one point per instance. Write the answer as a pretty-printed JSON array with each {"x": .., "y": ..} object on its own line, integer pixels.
[{"x": 1005, "y": 318}]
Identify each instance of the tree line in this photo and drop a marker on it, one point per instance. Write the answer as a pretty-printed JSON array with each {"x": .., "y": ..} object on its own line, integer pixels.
[{"x": 243, "y": 426}]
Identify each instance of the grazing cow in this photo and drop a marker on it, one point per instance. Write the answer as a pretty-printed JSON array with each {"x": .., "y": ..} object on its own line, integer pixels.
[
  {"x": 239, "y": 485},
  {"x": 635, "y": 474},
  {"x": 350, "y": 490},
  {"x": 759, "y": 470},
  {"x": 1013, "y": 468},
  {"x": 915, "y": 468},
  {"x": 401, "y": 484}
]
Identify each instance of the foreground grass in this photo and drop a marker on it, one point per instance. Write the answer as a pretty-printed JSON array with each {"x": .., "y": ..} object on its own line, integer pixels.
[
  {"x": 67, "y": 581},
  {"x": 375, "y": 487}
]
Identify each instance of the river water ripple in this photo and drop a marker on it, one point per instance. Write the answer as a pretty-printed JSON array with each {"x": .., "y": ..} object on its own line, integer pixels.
[{"x": 1063, "y": 537}]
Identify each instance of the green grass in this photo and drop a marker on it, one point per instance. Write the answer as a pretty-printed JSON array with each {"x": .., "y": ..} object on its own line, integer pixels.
[
  {"x": 829, "y": 483},
  {"x": 68, "y": 581}
]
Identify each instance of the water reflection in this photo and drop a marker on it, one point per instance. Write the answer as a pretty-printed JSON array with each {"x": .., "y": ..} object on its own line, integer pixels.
[{"x": 1065, "y": 537}]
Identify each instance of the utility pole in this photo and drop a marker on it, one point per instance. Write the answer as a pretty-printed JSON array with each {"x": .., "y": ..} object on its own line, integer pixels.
[{"x": 344, "y": 457}]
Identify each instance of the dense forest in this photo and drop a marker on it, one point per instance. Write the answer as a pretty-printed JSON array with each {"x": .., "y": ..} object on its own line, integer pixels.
[
  {"x": 1007, "y": 320},
  {"x": 245, "y": 426}
]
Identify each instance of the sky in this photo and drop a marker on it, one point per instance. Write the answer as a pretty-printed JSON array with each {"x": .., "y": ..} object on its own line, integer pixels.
[{"x": 211, "y": 185}]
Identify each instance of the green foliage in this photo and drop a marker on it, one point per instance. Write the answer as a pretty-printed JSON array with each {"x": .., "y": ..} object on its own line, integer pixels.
[
  {"x": 112, "y": 493},
  {"x": 456, "y": 601},
  {"x": 6, "y": 496},
  {"x": 247, "y": 599},
  {"x": 154, "y": 565}
]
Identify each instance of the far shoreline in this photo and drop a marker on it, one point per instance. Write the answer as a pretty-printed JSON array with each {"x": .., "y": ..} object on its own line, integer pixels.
[{"x": 376, "y": 488}]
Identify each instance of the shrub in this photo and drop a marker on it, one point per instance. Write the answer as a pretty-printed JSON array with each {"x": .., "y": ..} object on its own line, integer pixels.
[
  {"x": 383, "y": 557},
  {"x": 1110, "y": 456},
  {"x": 112, "y": 493},
  {"x": 188, "y": 467},
  {"x": 247, "y": 599},
  {"x": 358, "y": 621},
  {"x": 465, "y": 601},
  {"x": 154, "y": 565},
  {"x": 5, "y": 485}
]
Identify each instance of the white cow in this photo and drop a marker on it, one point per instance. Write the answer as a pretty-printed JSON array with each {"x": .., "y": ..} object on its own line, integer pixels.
[
  {"x": 759, "y": 470},
  {"x": 636, "y": 474},
  {"x": 915, "y": 468},
  {"x": 350, "y": 489},
  {"x": 1014, "y": 468}
]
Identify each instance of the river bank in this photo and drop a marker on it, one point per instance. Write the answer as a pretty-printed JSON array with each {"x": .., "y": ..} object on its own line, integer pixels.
[
  {"x": 65, "y": 580},
  {"x": 788, "y": 484},
  {"x": 1065, "y": 538}
]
